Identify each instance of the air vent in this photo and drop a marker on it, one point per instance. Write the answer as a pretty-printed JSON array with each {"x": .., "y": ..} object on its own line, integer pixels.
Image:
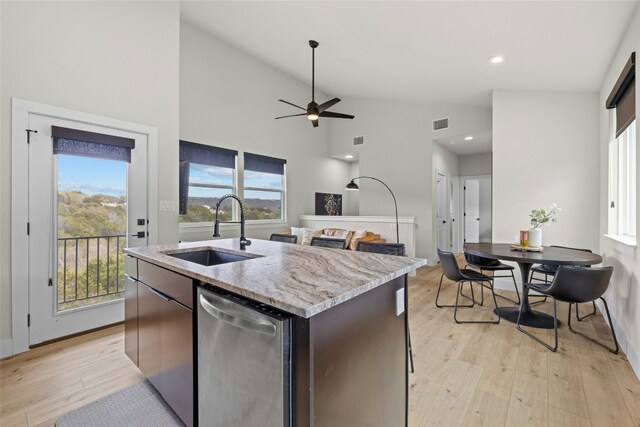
[
  {"x": 441, "y": 124},
  {"x": 358, "y": 140}
]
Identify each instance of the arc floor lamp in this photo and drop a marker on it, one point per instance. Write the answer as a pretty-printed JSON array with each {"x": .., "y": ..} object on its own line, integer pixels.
[{"x": 352, "y": 186}]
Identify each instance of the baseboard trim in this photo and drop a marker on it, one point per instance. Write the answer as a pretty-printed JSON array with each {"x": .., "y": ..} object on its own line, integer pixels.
[
  {"x": 633, "y": 356},
  {"x": 6, "y": 348},
  {"x": 506, "y": 284},
  {"x": 432, "y": 262}
]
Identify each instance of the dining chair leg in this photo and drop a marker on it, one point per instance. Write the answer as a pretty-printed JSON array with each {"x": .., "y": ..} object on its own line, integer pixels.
[
  {"x": 456, "y": 304},
  {"x": 613, "y": 332},
  {"x": 410, "y": 351},
  {"x": 580, "y": 319},
  {"x": 541, "y": 301},
  {"x": 555, "y": 328},
  {"x": 495, "y": 304},
  {"x": 455, "y": 312},
  {"x": 470, "y": 298},
  {"x": 515, "y": 286},
  {"x": 544, "y": 297},
  {"x": 481, "y": 291}
]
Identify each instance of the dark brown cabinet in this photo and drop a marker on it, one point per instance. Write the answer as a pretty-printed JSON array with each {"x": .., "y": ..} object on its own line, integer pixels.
[
  {"x": 159, "y": 334},
  {"x": 131, "y": 319},
  {"x": 149, "y": 323},
  {"x": 176, "y": 359}
]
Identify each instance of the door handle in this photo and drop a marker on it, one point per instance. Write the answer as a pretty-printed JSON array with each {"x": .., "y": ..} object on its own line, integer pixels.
[
  {"x": 237, "y": 321},
  {"x": 140, "y": 235},
  {"x": 159, "y": 294}
]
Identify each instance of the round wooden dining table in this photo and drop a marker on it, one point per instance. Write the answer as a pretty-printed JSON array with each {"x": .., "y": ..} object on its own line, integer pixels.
[{"x": 525, "y": 260}]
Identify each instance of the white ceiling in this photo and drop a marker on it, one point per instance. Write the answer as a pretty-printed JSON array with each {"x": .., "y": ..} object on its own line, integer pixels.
[
  {"x": 481, "y": 143},
  {"x": 426, "y": 51}
]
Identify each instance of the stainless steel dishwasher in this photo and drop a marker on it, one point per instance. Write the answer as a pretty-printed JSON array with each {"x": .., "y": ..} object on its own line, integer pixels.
[{"x": 243, "y": 362}]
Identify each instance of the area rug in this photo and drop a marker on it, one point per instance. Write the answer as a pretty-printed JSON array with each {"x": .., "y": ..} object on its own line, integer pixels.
[{"x": 139, "y": 405}]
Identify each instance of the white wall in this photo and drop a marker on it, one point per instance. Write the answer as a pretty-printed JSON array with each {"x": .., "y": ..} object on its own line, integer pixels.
[
  {"x": 230, "y": 99},
  {"x": 117, "y": 59},
  {"x": 444, "y": 161},
  {"x": 353, "y": 197},
  {"x": 398, "y": 150},
  {"x": 475, "y": 164},
  {"x": 545, "y": 150},
  {"x": 623, "y": 295}
]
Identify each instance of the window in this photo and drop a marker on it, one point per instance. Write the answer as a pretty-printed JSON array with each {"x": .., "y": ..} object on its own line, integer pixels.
[
  {"x": 622, "y": 183},
  {"x": 206, "y": 174},
  {"x": 622, "y": 155},
  {"x": 264, "y": 188}
]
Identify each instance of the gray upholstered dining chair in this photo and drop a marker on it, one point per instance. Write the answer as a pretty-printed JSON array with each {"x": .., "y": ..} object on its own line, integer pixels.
[
  {"x": 574, "y": 285},
  {"x": 381, "y": 248},
  {"x": 452, "y": 271},
  {"x": 286, "y": 238},
  {"x": 327, "y": 242},
  {"x": 492, "y": 265},
  {"x": 549, "y": 271}
]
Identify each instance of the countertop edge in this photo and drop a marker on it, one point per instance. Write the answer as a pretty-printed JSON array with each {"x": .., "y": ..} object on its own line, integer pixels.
[{"x": 295, "y": 310}]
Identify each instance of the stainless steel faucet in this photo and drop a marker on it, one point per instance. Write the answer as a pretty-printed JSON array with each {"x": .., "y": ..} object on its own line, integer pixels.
[{"x": 244, "y": 242}]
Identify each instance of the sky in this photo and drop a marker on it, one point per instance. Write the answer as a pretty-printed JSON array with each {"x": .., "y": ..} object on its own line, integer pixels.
[
  {"x": 223, "y": 176},
  {"x": 92, "y": 176},
  {"x": 99, "y": 176}
]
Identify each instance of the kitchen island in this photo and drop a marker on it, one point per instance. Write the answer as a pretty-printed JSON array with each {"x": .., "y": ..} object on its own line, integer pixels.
[{"x": 335, "y": 318}]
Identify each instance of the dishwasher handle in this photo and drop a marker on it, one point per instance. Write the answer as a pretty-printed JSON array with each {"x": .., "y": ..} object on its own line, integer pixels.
[{"x": 266, "y": 328}]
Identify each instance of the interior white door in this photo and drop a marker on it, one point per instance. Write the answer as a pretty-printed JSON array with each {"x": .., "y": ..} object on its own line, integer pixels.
[
  {"x": 442, "y": 213},
  {"x": 456, "y": 241},
  {"x": 472, "y": 211},
  {"x": 50, "y": 257}
]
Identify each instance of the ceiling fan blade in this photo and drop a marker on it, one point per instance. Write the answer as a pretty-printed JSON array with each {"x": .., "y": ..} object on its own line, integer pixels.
[
  {"x": 336, "y": 115},
  {"x": 291, "y": 115},
  {"x": 293, "y": 105},
  {"x": 328, "y": 104},
  {"x": 315, "y": 123}
]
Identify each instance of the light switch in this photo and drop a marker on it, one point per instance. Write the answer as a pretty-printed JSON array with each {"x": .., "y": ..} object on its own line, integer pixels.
[
  {"x": 399, "y": 302},
  {"x": 167, "y": 205}
]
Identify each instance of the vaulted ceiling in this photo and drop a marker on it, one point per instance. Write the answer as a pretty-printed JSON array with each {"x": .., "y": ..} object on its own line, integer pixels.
[{"x": 426, "y": 51}]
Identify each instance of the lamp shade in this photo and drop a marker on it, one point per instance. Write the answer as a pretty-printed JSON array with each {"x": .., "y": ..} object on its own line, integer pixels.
[{"x": 352, "y": 186}]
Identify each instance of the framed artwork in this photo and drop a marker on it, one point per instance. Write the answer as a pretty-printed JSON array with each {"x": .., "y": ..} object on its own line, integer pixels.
[{"x": 328, "y": 204}]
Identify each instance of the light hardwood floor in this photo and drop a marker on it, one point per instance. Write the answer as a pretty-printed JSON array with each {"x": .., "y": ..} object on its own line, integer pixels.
[{"x": 465, "y": 374}]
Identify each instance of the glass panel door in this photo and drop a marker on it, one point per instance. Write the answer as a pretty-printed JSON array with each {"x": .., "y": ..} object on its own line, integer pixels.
[
  {"x": 82, "y": 211},
  {"x": 91, "y": 230}
]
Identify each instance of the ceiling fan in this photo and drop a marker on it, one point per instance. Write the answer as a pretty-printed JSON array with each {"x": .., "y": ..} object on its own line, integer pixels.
[{"x": 313, "y": 110}]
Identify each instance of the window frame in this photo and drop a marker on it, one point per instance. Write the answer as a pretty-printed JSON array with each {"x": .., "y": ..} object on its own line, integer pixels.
[
  {"x": 283, "y": 199},
  {"x": 235, "y": 215},
  {"x": 239, "y": 190},
  {"x": 622, "y": 204}
]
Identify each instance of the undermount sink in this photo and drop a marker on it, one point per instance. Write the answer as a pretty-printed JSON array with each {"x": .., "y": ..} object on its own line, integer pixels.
[{"x": 208, "y": 257}]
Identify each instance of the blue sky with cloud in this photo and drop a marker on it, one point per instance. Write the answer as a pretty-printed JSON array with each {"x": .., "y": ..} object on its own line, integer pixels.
[
  {"x": 92, "y": 176},
  {"x": 98, "y": 176}
]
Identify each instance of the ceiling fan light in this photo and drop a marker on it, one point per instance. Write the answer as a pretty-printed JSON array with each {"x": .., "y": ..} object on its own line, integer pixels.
[{"x": 312, "y": 116}]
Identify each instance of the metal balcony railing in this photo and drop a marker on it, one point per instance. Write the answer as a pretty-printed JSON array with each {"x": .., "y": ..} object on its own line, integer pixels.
[{"x": 90, "y": 270}]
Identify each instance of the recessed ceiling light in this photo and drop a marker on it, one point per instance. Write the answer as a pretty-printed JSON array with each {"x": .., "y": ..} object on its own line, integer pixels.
[
  {"x": 496, "y": 59},
  {"x": 468, "y": 138},
  {"x": 349, "y": 156}
]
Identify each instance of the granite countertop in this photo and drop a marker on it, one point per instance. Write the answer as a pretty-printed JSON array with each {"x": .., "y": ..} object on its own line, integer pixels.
[{"x": 301, "y": 280}]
